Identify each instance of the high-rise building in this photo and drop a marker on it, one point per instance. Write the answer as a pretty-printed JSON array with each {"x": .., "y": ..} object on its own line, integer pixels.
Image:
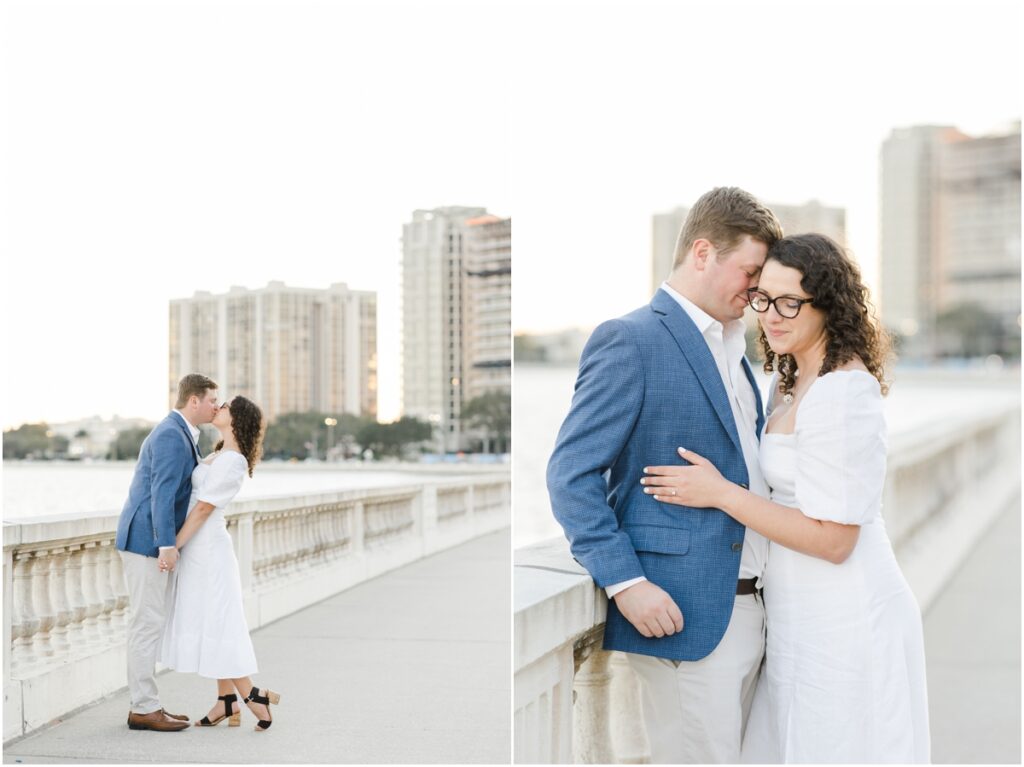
[
  {"x": 979, "y": 225},
  {"x": 288, "y": 349},
  {"x": 812, "y": 216},
  {"x": 487, "y": 298},
  {"x": 950, "y": 229},
  {"x": 456, "y": 306}
]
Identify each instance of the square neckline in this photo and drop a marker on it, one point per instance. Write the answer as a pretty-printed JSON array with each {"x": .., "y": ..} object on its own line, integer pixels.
[{"x": 766, "y": 433}]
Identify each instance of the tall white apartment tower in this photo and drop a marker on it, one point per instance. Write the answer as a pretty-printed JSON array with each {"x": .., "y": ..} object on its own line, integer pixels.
[
  {"x": 909, "y": 231},
  {"x": 487, "y": 306},
  {"x": 288, "y": 349},
  {"x": 950, "y": 229},
  {"x": 432, "y": 319}
]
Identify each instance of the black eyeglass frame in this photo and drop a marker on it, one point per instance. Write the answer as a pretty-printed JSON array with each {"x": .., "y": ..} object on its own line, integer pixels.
[{"x": 774, "y": 302}]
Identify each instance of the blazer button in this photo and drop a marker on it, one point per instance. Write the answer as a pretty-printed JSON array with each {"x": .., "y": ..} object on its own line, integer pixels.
[
  {"x": 744, "y": 485},
  {"x": 737, "y": 547}
]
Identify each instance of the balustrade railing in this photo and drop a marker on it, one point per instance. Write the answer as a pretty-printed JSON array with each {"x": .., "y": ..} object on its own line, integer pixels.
[
  {"x": 66, "y": 604},
  {"x": 577, "y": 703}
]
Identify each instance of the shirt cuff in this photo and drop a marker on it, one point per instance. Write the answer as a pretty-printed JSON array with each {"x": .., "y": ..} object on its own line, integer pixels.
[
  {"x": 167, "y": 548},
  {"x": 616, "y": 588}
]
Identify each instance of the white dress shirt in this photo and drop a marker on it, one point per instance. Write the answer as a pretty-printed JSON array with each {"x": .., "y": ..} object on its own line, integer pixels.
[{"x": 727, "y": 345}]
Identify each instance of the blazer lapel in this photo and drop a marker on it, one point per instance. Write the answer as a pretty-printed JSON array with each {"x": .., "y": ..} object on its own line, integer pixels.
[
  {"x": 188, "y": 435},
  {"x": 695, "y": 349},
  {"x": 757, "y": 397}
]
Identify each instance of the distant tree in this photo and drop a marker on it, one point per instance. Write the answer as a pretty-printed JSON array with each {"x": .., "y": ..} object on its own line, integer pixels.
[
  {"x": 969, "y": 330},
  {"x": 81, "y": 433},
  {"x": 393, "y": 439},
  {"x": 526, "y": 349},
  {"x": 127, "y": 444},
  {"x": 491, "y": 412},
  {"x": 289, "y": 435},
  {"x": 33, "y": 440}
]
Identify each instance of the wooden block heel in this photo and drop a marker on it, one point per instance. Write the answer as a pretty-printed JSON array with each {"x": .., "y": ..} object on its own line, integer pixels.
[
  {"x": 234, "y": 718},
  {"x": 266, "y": 698}
]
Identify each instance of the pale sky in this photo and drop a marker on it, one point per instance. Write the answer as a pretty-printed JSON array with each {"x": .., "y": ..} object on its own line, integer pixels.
[
  {"x": 620, "y": 112},
  {"x": 159, "y": 148}
]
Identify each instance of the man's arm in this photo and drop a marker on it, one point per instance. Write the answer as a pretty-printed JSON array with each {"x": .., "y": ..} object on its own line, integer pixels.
[
  {"x": 164, "y": 478},
  {"x": 605, "y": 407}
]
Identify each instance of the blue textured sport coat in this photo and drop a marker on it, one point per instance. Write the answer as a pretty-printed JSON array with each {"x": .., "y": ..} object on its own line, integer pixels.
[
  {"x": 647, "y": 385},
  {"x": 158, "y": 498}
]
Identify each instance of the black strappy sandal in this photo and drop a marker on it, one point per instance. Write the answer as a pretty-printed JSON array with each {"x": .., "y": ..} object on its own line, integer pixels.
[
  {"x": 234, "y": 719},
  {"x": 266, "y": 699}
]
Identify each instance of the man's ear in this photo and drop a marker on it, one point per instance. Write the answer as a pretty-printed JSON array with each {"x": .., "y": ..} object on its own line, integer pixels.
[{"x": 700, "y": 251}]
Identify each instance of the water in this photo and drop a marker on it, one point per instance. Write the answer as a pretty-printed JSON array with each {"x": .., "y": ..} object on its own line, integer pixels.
[
  {"x": 542, "y": 395},
  {"x": 32, "y": 490}
]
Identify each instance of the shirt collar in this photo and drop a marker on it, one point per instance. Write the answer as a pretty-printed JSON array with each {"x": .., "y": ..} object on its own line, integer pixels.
[
  {"x": 193, "y": 430},
  {"x": 701, "y": 318}
]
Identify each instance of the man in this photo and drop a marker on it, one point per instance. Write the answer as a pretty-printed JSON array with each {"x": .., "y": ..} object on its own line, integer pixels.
[
  {"x": 154, "y": 512},
  {"x": 681, "y": 582}
]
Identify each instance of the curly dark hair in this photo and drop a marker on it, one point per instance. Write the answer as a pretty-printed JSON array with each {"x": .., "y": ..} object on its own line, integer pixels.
[
  {"x": 833, "y": 281},
  {"x": 248, "y": 426}
]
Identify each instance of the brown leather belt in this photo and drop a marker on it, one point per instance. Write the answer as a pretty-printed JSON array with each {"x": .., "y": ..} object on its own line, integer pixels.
[{"x": 745, "y": 586}]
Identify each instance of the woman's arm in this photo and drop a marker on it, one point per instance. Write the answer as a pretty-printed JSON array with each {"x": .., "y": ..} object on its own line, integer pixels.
[
  {"x": 701, "y": 485},
  {"x": 789, "y": 527},
  {"x": 193, "y": 522}
]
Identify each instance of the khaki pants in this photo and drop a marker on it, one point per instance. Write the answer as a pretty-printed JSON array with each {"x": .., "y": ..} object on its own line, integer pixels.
[
  {"x": 696, "y": 711},
  {"x": 148, "y": 594}
]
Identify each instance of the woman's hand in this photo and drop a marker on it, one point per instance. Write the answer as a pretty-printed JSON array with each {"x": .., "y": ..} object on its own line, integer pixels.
[{"x": 699, "y": 485}]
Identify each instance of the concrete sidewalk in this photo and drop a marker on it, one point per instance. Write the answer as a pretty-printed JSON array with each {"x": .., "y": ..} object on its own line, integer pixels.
[
  {"x": 412, "y": 666},
  {"x": 972, "y": 647}
]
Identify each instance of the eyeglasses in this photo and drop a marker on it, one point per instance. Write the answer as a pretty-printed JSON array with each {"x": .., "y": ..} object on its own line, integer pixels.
[{"x": 786, "y": 306}]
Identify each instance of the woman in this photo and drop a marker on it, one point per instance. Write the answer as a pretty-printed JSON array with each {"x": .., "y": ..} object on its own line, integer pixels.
[
  {"x": 844, "y": 675},
  {"x": 206, "y": 632}
]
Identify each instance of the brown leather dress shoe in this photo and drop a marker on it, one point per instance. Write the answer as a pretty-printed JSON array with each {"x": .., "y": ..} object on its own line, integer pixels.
[
  {"x": 179, "y": 717},
  {"x": 157, "y": 720}
]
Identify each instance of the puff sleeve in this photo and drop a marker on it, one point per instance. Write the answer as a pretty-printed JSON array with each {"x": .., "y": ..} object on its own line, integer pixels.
[
  {"x": 224, "y": 480},
  {"x": 840, "y": 449}
]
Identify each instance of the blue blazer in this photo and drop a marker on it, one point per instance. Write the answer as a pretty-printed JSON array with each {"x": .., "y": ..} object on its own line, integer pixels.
[
  {"x": 158, "y": 499},
  {"x": 647, "y": 385}
]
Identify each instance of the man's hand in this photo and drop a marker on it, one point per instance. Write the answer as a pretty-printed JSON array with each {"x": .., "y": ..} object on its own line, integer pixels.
[
  {"x": 167, "y": 560},
  {"x": 650, "y": 609}
]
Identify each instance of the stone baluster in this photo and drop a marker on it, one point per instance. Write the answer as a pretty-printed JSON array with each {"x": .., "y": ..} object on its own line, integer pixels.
[
  {"x": 42, "y": 644},
  {"x": 59, "y": 600},
  {"x": 106, "y": 597},
  {"x": 279, "y": 538},
  {"x": 591, "y": 737},
  {"x": 307, "y": 521},
  {"x": 115, "y": 575},
  {"x": 279, "y": 544},
  {"x": 73, "y": 581},
  {"x": 26, "y": 620},
  {"x": 261, "y": 529},
  {"x": 294, "y": 543},
  {"x": 324, "y": 525},
  {"x": 91, "y": 634}
]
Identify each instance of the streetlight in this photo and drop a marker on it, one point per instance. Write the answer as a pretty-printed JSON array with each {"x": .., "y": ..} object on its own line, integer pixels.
[{"x": 330, "y": 423}]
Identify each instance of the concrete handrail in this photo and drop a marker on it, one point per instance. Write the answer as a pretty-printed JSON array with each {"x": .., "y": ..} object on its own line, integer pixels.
[{"x": 65, "y": 601}]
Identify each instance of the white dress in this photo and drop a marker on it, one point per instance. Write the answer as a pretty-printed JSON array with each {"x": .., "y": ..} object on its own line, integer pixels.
[
  {"x": 844, "y": 674},
  {"x": 206, "y": 632}
]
